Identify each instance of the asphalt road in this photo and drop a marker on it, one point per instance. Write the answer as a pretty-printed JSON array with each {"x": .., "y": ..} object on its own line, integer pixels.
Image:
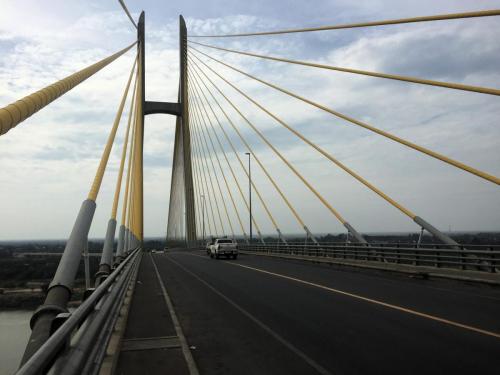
[{"x": 257, "y": 315}]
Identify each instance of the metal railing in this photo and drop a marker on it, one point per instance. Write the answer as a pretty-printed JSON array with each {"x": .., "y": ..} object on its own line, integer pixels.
[
  {"x": 484, "y": 258},
  {"x": 79, "y": 344}
]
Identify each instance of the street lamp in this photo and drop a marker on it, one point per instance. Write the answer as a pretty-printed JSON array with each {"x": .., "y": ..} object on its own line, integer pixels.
[
  {"x": 203, "y": 215},
  {"x": 250, "y": 194}
]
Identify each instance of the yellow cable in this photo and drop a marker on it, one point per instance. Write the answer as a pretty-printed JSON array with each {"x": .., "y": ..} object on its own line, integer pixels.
[
  {"x": 422, "y": 81},
  {"x": 17, "y": 112},
  {"x": 138, "y": 217},
  {"x": 130, "y": 206},
  {"x": 266, "y": 208},
  {"x": 198, "y": 105},
  {"x": 206, "y": 196},
  {"x": 292, "y": 168},
  {"x": 202, "y": 166},
  {"x": 94, "y": 189},
  {"x": 414, "y": 146},
  {"x": 126, "y": 196},
  {"x": 202, "y": 136},
  {"x": 124, "y": 156},
  {"x": 206, "y": 150},
  {"x": 197, "y": 199},
  {"x": 324, "y": 153},
  {"x": 271, "y": 179},
  {"x": 440, "y": 17},
  {"x": 224, "y": 153},
  {"x": 202, "y": 189}
]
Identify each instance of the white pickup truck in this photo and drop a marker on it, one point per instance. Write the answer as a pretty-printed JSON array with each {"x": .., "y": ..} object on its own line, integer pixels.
[{"x": 224, "y": 247}]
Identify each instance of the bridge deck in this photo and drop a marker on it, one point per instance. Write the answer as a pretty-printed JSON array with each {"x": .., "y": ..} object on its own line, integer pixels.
[{"x": 265, "y": 316}]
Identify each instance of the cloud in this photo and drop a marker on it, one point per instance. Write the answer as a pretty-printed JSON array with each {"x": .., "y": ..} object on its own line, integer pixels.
[{"x": 49, "y": 161}]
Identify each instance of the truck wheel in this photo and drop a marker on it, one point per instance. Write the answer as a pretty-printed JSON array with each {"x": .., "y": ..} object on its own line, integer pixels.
[
  {"x": 211, "y": 255},
  {"x": 216, "y": 256},
  {"x": 235, "y": 256}
]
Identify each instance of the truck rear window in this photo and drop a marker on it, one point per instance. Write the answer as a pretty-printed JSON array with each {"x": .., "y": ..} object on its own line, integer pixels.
[{"x": 224, "y": 241}]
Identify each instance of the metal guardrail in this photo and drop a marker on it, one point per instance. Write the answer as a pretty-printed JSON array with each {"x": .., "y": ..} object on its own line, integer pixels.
[
  {"x": 82, "y": 339},
  {"x": 484, "y": 258}
]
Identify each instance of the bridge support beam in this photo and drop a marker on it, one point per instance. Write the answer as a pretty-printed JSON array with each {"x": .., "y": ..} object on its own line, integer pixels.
[{"x": 167, "y": 108}]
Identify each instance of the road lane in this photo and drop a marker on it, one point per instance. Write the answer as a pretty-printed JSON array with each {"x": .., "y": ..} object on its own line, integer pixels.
[
  {"x": 342, "y": 334},
  {"x": 443, "y": 298}
]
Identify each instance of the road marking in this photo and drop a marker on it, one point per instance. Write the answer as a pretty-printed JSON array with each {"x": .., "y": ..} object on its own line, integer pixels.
[
  {"x": 193, "y": 370},
  {"x": 320, "y": 369},
  {"x": 370, "y": 300}
]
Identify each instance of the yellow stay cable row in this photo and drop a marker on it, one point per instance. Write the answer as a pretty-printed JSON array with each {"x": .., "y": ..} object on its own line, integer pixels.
[
  {"x": 224, "y": 153},
  {"x": 206, "y": 171},
  {"x": 203, "y": 130},
  {"x": 129, "y": 207},
  {"x": 124, "y": 155},
  {"x": 205, "y": 194},
  {"x": 197, "y": 198},
  {"x": 96, "y": 184},
  {"x": 198, "y": 188},
  {"x": 440, "y": 17},
  {"x": 206, "y": 150},
  {"x": 138, "y": 225},
  {"x": 126, "y": 196},
  {"x": 362, "y": 124},
  {"x": 319, "y": 149},
  {"x": 422, "y": 81},
  {"x": 130, "y": 199},
  {"x": 271, "y": 179},
  {"x": 294, "y": 170},
  {"x": 266, "y": 208}
]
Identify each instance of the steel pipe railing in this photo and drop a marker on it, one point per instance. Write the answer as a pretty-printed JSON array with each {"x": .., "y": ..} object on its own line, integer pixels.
[
  {"x": 480, "y": 258},
  {"x": 106, "y": 295}
]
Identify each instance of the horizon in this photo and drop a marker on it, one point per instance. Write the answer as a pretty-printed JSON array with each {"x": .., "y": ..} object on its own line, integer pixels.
[{"x": 94, "y": 239}]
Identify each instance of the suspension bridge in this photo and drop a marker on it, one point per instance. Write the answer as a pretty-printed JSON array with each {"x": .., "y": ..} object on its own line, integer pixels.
[{"x": 289, "y": 304}]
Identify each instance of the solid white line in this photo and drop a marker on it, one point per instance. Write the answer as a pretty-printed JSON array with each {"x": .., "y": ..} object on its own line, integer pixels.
[
  {"x": 320, "y": 369},
  {"x": 193, "y": 370}
]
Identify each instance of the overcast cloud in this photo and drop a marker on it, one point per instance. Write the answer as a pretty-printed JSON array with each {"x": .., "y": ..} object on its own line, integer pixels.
[{"x": 48, "y": 162}]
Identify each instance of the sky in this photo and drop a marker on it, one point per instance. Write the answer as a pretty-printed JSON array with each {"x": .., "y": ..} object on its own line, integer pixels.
[{"x": 47, "y": 163}]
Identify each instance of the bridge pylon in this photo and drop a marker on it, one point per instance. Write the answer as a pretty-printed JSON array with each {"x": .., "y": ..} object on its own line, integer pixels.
[{"x": 188, "y": 175}]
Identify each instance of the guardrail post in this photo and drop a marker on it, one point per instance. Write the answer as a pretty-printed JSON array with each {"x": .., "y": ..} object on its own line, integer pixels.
[{"x": 492, "y": 260}]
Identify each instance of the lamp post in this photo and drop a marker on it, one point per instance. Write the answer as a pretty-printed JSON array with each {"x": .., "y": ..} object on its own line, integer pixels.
[
  {"x": 250, "y": 193},
  {"x": 203, "y": 215}
]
